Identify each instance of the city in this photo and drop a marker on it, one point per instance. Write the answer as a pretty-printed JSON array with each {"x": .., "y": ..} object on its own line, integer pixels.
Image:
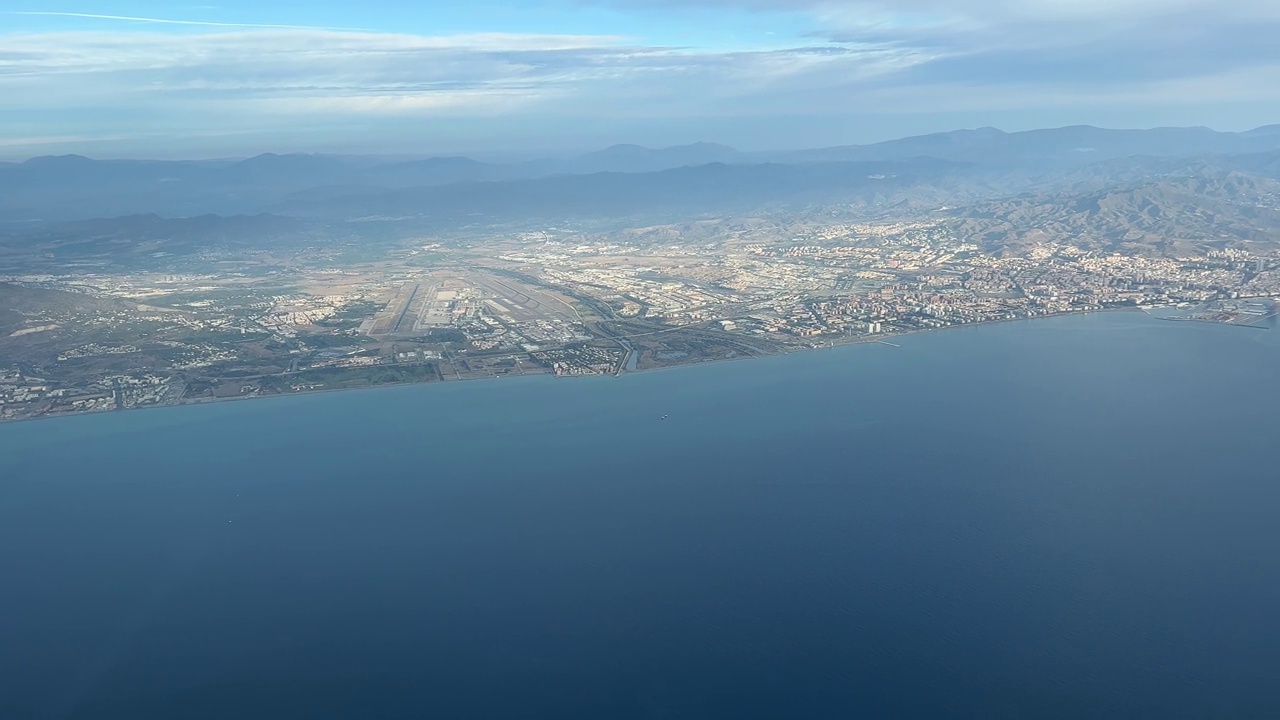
[{"x": 568, "y": 303}]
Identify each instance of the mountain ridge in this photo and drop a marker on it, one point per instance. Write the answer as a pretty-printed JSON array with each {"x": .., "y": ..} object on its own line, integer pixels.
[{"x": 70, "y": 187}]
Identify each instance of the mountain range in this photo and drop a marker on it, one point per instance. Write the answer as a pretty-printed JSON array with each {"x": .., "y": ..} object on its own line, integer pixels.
[
  {"x": 1198, "y": 209},
  {"x": 1161, "y": 191},
  {"x": 60, "y": 188}
]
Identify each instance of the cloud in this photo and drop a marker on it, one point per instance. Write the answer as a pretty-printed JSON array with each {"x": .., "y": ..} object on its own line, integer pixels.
[
  {"x": 163, "y": 21},
  {"x": 860, "y": 59},
  {"x": 383, "y": 73},
  {"x": 1052, "y": 41},
  {"x": 989, "y": 9},
  {"x": 1133, "y": 48}
]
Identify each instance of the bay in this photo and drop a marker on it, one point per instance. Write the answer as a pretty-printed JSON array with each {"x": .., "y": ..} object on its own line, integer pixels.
[{"x": 1071, "y": 517}]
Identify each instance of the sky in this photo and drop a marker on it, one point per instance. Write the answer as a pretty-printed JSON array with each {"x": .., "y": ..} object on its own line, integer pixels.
[{"x": 144, "y": 78}]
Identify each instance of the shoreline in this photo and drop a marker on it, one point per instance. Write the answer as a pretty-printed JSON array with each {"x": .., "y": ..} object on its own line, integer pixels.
[
  {"x": 863, "y": 340},
  {"x": 877, "y": 339}
]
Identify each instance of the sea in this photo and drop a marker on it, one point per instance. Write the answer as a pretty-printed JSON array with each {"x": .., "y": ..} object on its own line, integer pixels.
[{"x": 1075, "y": 517}]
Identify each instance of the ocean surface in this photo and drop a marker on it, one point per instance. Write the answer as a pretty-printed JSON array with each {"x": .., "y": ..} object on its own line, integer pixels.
[{"x": 1076, "y": 517}]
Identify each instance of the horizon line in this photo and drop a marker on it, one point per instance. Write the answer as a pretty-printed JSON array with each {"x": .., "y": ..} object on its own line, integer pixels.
[{"x": 534, "y": 154}]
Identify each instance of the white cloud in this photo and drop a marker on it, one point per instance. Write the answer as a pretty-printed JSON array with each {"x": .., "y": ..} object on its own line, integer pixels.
[
  {"x": 317, "y": 71},
  {"x": 864, "y": 58},
  {"x": 164, "y": 21}
]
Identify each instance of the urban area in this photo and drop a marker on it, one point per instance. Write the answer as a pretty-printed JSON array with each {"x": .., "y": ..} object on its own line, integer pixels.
[{"x": 564, "y": 303}]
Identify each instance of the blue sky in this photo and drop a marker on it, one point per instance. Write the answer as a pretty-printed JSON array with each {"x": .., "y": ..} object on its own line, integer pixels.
[
  {"x": 229, "y": 77},
  {"x": 712, "y": 25}
]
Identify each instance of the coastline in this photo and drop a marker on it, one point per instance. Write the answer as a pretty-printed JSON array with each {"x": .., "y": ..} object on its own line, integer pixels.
[
  {"x": 877, "y": 339},
  {"x": 880, "y": 339}
]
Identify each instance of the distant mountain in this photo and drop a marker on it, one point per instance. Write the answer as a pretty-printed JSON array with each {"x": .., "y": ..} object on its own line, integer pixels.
[
  {"x": 271, "y": 170},
  {"x": 1055, "y": 148},
  {"x": 712, "y": 188},
  {"x": 634, "y": 158},
  {"x": 1268, "y": 131},
  {"x": 436, "y": 171},
  {"x": 1198, "y": 208},
  {"x": 1266, "y": 164},
  {"x": 1168, "y": 205},
  {"x": 69, "y": 187}
]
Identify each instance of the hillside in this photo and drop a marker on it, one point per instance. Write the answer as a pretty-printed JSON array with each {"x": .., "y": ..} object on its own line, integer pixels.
[{"x": 1201, "y": 210}]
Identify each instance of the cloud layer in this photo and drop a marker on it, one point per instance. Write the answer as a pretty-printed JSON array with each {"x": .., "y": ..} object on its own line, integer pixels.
[{"x": 863, "y": 64}]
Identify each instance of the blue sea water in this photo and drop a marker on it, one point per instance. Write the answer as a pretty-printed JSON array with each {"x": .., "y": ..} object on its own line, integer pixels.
[{"x": 1065, "y": 518}]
